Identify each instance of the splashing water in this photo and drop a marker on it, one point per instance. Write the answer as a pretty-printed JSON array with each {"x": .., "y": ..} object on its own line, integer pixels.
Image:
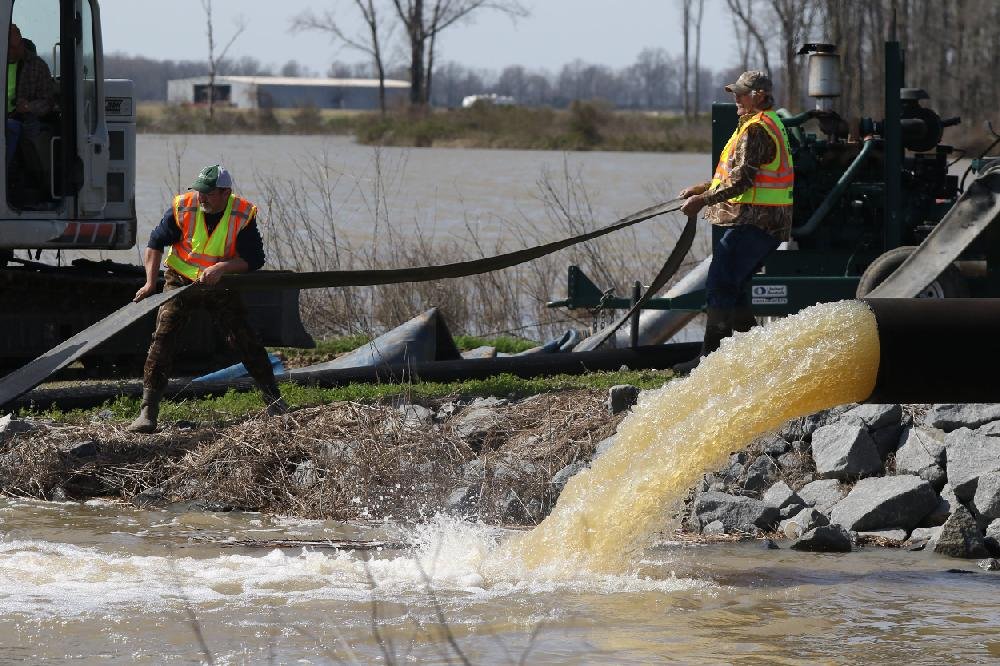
[{"x": 824, "y": 356}]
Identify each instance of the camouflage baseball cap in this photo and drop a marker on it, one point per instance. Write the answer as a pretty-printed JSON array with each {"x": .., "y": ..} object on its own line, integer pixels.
[
  {"x": 752, "y": 80},
  {"x": 212, "y": 177}
]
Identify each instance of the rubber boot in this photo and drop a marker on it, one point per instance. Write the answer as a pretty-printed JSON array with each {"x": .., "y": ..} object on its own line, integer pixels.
[
  {"x": 148, "y": 412},
  {"x": 276, "y": 406},
  {"x": 718, "y": 326}
]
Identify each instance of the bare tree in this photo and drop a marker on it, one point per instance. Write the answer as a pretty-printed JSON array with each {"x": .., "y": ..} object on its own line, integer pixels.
[
  {"x": 371, "y": 43},
  {"x": 422, "y": 28},
  {"x": 685, "y": 77},
  {"x": 213, "y": 60},
  {"x": 745, "y": 16},
  {"x": 697, "y": 57}
]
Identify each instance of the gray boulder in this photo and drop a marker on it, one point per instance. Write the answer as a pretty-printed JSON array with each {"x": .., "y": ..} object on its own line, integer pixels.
[
  {"x": 991, "y": 429},
  {"x": 737, "y": 513},
  {"x": 562, "y": 477},
  {"x": 603, "y": 446},
  {"x": 474, "y": 422},
  {"x": 10, "y": 426},
  {"x": 461, "y": 499},
  {"x": 822, "y": 494},
  {"x": 824, "y": 539},
  {"x": 714, "y": 528},
  {"x": 951, "y": 417},
  {"x": 892, "y": 536},
  {"x": 845, "y": 451},
  {"x": 875, "y": 417},
  {"x": 923, "y": 537},
  {"x": 986, "y": 501},
  {"x": 992, "y": 536},
  {"x": 885, "y": 503},
  {"x": 804, "y": 521},
  {"x": 946, "y": 503},
  {"x": 774, "y": 445},
  {"x": 960, "y": 536},
  {"x": 622, "y": 397},
  {"x": 922, "y": 453},
  {"x": 969, "y": 456},
  {"x": 780, "y": 495},
  {"x": 415, "y": 416},
  {"x": 306, "y": 474},
  {"x": 761, "y": 473}
]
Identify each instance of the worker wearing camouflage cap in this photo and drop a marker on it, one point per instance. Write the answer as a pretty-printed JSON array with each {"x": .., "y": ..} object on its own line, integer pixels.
[
  {"x": 210, "y": 232},
  {"x": 750, "y": 196}
]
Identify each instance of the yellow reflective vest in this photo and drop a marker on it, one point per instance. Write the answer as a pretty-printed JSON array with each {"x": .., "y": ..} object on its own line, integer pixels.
[
  {"x": 773, "y": 184},
  {"x": 197, "y": 249}
]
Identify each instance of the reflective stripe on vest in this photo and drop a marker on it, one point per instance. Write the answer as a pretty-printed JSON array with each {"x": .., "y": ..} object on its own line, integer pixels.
[
  {"x": 11, "y": 86},
  {"x": 197, "y": 249},
  {"x": 773, "y": 184}
]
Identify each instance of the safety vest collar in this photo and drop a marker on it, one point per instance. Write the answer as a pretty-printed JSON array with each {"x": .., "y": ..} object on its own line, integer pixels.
[{"x": 197, "y": 249}]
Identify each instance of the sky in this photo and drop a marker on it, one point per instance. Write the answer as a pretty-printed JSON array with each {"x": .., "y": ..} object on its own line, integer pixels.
[{"x": 607, "y": 32}]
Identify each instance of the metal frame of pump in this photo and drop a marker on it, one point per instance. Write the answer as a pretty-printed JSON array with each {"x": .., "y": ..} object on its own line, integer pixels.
[
  {"x": 93, "y": 148},
  {"x": 867, "y": 199}
]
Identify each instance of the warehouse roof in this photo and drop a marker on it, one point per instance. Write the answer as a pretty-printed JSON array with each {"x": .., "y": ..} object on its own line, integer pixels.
[{"x": 299, "y": 81}]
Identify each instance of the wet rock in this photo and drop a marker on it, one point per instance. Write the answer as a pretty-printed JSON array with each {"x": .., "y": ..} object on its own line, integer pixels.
[
  {"x": 887, "y": 502},
  {"x": 922, "y": 538},
  {"x": 737, "y": 513},
  {"x": 845, "y": 451},
  {"x": 793, "y": 429},
  {"x": 774, "y": 445},
  {"x": 952, "y": 417},
  {"x": 474, "y": 471},
  {"x": 986, "y": 501},
  {"x": 922, "y": 453},
  {"x": 969, "y": 456},
  {"x": 415, "y": 416},
  {"x": 991, "y": 564},
  {"x": 622, "y": 397},
  {"x": 58, "y": 494},
  {"x": 804, "y": 521},
  {"x": 513, "y": 509},
  {"x": 603, "y": 446},
  {"x": 461, "y": 500},
  {"x": 560, "y": 478},
  {"x": 822, "y": 494},
  {"x": 946, "y": 502},
  {"x": 760, "y": 474},
  {"x": 960, "y": 536},
  {"x": 769, "y": 544},
  {"x": 734, "y": 469},
  {"x": 824, "y": 539},
  {"x": 514, "y": 469},
  {"x": 780, "y": 495},
  {"x": 153, "y": 498}
]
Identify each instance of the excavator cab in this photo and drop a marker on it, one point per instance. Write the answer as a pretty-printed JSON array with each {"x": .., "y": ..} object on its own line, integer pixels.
[{"x": 69, "y": 172}]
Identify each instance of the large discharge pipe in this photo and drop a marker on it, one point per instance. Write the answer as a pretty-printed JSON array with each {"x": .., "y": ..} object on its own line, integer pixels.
[{"x": 937, "y": 350}]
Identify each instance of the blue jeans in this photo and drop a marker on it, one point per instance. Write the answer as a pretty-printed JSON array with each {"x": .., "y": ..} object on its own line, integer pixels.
[
  {"x": 737, "y": 256},
  {"x": 12, "y": 135}
]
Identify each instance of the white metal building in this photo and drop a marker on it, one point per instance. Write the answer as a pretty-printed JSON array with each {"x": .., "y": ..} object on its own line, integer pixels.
[{"x": 283, "y": 92}]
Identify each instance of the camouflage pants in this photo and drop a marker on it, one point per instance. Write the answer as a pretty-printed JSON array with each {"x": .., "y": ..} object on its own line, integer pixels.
[{"x": 227, "y": 311}]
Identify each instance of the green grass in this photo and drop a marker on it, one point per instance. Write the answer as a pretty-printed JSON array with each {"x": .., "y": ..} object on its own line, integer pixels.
[
  {"x": 504, "y": 344},
  {"x": 235, "y": 405}
]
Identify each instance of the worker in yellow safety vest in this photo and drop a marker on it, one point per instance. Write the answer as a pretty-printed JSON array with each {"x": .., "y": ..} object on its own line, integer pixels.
[
  {"x": 750, "y": 195},
  {"x": 211, "y": 232}
]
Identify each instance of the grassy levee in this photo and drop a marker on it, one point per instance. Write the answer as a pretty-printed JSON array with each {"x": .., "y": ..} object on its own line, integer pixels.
[{"x": 591, "y": 125}]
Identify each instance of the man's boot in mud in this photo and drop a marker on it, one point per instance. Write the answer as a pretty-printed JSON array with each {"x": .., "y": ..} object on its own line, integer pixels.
[
  {"x": 273, "y": 401},
  {"x": 148, "y": 412},
  {"x": 717, "y": 327}
]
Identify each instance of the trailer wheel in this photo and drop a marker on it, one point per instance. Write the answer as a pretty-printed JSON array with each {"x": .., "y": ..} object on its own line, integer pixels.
[{"x": 950, "y": 284}]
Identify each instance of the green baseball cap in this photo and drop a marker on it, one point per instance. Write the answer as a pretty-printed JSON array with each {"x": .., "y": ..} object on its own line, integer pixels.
[{"x": 212, "y": 177}]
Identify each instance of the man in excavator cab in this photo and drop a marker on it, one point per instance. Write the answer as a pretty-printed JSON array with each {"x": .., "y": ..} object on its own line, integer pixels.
[
  {"x": 30, "y": 104},
  {"x": 750, "y": 196}
]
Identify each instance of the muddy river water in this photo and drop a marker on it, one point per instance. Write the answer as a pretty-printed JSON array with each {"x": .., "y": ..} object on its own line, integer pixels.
[{"x": 105, "y": 583}]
